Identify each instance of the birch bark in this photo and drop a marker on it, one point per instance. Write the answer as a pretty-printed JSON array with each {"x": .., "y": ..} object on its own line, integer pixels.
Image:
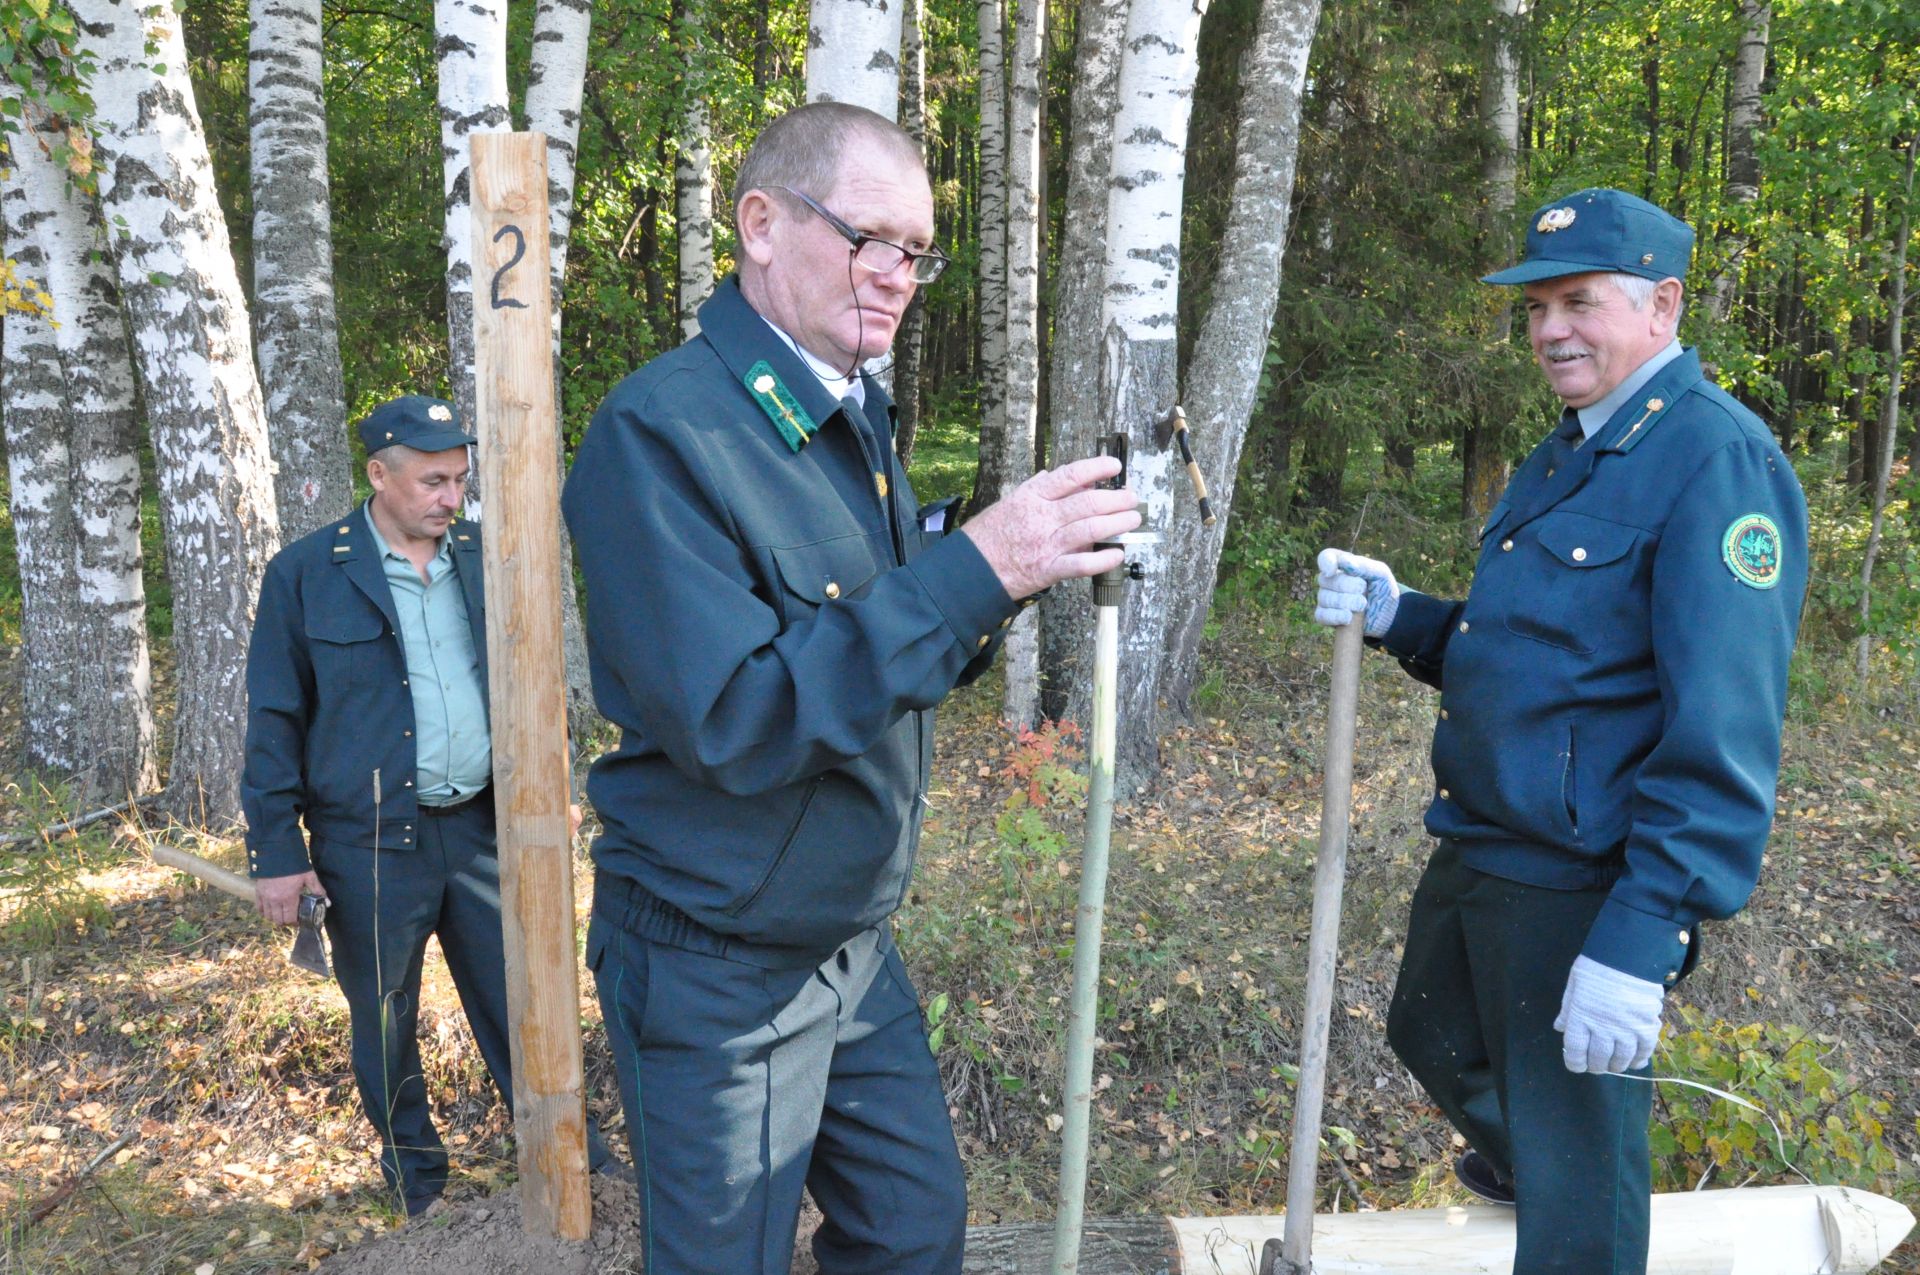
[
  {"x": 1138, "y": 372},
  {"x": 1224, "y": 370},
  {"x": 853, "y": 54},
  {"x": 1066, "y": 614},
  {"x": 990, "y": 479},
  {"x": 470, "y": 38},
  {"x": 556, "y": 83},
  {"x": 188, "y": 322},
  {"x": 1743, "y": 157},
  {"x": 295, "y": 331},
  {"x": 1021, "y": 406},
  {"x": 911, "y": 343},
  {"x": 693, "y": 172},
  {"x": 1483, "y": 459}
]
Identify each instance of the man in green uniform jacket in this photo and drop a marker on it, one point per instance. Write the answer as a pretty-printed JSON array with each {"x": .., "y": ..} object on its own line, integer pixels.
[
  {"x": 1612, "y": 691},
  {"x": 771, "y": 620}
]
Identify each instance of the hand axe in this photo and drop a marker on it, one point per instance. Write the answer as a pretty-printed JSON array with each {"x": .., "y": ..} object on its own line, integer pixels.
[{"x": 309, "y": 942}]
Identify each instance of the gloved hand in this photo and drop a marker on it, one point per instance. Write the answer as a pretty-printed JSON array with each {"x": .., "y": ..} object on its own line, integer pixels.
[
  {"x": 1350, "y": 583},
  {"x": 1610, "y": 1021}
]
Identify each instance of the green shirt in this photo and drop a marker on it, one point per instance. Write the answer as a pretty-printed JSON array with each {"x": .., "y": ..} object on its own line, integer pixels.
[{"x": 443, "y": 671}]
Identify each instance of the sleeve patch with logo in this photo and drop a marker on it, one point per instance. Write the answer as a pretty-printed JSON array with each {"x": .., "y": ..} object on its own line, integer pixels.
[{"x": 1751, "y": 549}]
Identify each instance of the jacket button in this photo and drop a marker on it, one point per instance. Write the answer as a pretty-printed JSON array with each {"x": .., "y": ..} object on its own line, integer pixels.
[
  {"x": 1004, "y": 623},
  {"x": 409, "y": 783},
  {"x": 1506, "y": 546},
  {"x": 403, "y": 681},
  {"x": 1579, "y": 555},
  {"x": 408, "y": 828},
  {"x": 833, "y": 589},
  {"x": 1673, "y": 978},
  {"x": 880, "y": 485},
  {"x": 1443, "y": 714},
  {"x": 1445, "y": 795},
  {"x": 981, "y": 645},
  {"x": 1463, "y": 626},
  {"x": 407, "y": 733},
  {"x": 1685, "y": 938},
  {"x": 1549, "y": 473}
]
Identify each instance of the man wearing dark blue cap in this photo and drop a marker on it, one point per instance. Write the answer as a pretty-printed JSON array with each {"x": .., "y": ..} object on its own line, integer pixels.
[
  {"x": 367, "y": 723},
  {"x": 1612, "y": 690}
]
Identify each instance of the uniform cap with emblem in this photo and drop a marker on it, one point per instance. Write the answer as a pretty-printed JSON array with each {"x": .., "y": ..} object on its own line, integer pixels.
[
  {"x": 416, "y": 421},
  {"x": 1601, "y": 229}
]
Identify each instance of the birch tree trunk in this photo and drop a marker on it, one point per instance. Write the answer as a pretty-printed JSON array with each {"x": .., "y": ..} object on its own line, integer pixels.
[
  {"x": 1484, "y": 462},
  {"x": 913, "y": 331},
  {"x": 1743, "y": 156},
  {"x": 990, "y": 479},
  {"x": 470, "y": 37},
  {"x": 1889, "y": 413},
  {"x": 1066, "y": 613},
  {"x": 1224, "y": 369},
  {"x": 189, "y": 326},
  {"x": 693, "y": 173},
  {"x": 853, "y": 54},
  {"x": 1139, "y": 370},
  {"x": 556, "y": 82},
  {"x": 294, "y": 329},
  {"x": 1021, "y": 406},
  {"x": 100, "y": 661}
]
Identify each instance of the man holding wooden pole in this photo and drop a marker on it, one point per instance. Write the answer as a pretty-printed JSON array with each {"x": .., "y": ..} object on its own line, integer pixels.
[
  {"x": 771, "y": 620},
  {"x": 367, "y": 723},
  {"x": 1612, "y": 691}
]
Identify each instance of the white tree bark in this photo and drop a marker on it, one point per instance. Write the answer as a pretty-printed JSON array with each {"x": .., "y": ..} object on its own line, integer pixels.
[
  {"x": 295, "y": 331},
  {"x": 912, "y": 340},
  {"x": 556, "y": 82},
  {"x": 1021, "y": 408},
  {"x": 990, "y": 479},
  {"x": 1224, "y": 371},
  {"x": 693, "y": 173},
  {"x": 1139, "y": 372},
  {"x": 1066, "y": 614},
  {"x": 190, "y": 344},
  {"x": 470, "y": 37},
  {"x": 1743, "y": 157},
  {"x": 853, "y": 54}
]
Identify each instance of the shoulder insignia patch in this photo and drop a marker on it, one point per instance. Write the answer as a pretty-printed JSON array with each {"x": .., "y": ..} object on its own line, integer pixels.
[
  {"x": 1751, "y": 549},
  {"x": 781, "y": 407}
]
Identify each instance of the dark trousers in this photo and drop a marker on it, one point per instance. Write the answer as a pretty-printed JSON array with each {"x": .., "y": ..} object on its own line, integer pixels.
[
  {"x": 744, "y": 1084},
  {"x": 1486, "y": 962},
  {"x": 385, "y": 904}
]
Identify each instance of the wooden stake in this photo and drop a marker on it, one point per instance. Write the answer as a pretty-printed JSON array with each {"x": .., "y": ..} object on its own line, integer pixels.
[
  {"x": 527, "y": 695},
  {"x": 1323, "y": 945}
]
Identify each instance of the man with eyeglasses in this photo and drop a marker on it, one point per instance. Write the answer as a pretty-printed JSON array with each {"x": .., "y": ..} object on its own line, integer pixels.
[{"x": 771, "y": 620}]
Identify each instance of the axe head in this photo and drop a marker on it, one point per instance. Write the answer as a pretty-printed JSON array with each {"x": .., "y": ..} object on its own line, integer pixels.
[{"x": 309, "y": 942}]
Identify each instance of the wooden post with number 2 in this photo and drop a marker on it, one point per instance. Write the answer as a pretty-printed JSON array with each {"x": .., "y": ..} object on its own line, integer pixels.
[{"x": 517, "y": 428}]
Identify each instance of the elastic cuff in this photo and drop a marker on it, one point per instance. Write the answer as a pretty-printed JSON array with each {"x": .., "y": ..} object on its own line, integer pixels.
[
  {"x": 970, "y": 596},
  {"x": 1638, "y": 943}
]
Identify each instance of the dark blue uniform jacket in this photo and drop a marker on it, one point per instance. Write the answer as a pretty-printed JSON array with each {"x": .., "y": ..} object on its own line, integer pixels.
[
  {"x": 770, "y": 629},
  {"x": 327, "y": 696},
  {"x": 1612, "y": 688}
]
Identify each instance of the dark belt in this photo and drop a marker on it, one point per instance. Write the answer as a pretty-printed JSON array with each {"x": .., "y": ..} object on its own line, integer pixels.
[{"x": 458, "y": 807}]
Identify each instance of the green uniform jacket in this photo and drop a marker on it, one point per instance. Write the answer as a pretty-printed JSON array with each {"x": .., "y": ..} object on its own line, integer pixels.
[
  {"x": 1613, "y": 686},
  {"x": 770, "y": 629},
  {"x": 327, "y": 697}
]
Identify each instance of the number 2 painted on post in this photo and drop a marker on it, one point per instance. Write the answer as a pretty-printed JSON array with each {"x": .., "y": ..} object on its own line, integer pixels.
[{"x": 519, "y": 251}]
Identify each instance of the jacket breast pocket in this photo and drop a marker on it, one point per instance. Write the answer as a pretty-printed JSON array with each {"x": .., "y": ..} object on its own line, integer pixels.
[
  {"x": 824, "y": 573},
  {"x": 1581, "y": 573},
  {"x": 344, "y": 644}
]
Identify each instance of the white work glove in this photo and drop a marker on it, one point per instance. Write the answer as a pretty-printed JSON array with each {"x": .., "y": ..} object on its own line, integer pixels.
[
  {"x": 1610, "y": 1021},
  {"x": 1349, "y": 583}
]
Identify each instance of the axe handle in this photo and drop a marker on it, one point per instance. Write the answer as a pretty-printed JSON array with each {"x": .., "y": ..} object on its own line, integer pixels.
[{"x": 212, "y": 873}]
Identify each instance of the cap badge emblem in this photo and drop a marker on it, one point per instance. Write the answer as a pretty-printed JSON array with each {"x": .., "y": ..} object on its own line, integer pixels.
[
  {"x": 1554, "y": 219},
  {"x": 439, "y": 412}
]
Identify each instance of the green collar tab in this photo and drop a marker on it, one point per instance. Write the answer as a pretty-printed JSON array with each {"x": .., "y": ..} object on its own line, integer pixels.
[
  {"x": 1641, "y": 423},
  {"x": 781, "y": 407}
]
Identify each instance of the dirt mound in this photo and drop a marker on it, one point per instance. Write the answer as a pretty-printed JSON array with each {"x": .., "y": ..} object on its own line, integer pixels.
[{"x": 485, "y": 1237}]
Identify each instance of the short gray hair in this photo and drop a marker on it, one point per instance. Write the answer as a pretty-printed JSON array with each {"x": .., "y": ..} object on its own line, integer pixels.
[
  {"x": 395, "y": 456},
  {"x": 1638, "y": 290},
  {"x": 804, "y": 147}
]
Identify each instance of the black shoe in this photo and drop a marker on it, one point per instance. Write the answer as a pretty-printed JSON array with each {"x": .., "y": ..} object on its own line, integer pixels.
[
  {"x": 617, "y": 1169},
  {"x": 418, "y": 1204},
  {"x": 1476, "y": 1173}
]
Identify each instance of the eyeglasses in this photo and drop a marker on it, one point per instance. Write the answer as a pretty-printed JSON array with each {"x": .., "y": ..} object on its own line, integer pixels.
[{"x": 878, "y": 255}]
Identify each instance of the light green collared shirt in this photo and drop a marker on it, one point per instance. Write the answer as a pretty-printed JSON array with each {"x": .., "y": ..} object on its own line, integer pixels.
[{"x": 455, "y": 748}]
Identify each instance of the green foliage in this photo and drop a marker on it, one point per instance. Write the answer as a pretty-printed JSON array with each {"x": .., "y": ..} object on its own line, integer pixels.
[
  {"x": 44, "y": 898},
  {"x": 1830, "y": 1130}
]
